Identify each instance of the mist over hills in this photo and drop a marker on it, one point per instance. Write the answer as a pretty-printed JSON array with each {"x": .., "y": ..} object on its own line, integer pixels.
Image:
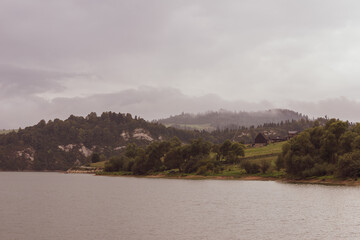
[{"x": 227, "y": 119}]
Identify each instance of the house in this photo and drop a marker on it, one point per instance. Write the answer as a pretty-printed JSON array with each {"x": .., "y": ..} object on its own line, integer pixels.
[
  {"x": 292, "y": 134},
  {"x": 261, "y": 139},
  {"x": 278, "y": 139}
]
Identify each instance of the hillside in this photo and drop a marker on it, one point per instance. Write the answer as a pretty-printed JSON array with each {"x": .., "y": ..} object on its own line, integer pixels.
[
  {"x": 58, "y": 145},
  {"x": 226, "y": 119}
]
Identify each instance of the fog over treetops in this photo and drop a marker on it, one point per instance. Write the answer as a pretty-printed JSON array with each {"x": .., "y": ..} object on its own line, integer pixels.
[{"x": 226, "y": 119}]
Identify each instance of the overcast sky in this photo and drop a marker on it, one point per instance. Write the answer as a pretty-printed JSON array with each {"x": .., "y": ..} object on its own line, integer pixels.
[{"x": 160, "y": 58}]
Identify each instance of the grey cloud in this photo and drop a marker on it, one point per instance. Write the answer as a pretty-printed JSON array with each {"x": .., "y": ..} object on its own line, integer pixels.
[
  {"x": 154, "y": 103},
  {"x": 174, "y": 37},
  {"x": 17, "y": 81},
  {"x": 20, "y": 112},
  {"x": 20, "y": 82},
  {"x": 147, "y": 102},
  {"x": 243, "y": 51},
  {"x": 151, "y": 103},
  {"x": 341, "y": 108}
]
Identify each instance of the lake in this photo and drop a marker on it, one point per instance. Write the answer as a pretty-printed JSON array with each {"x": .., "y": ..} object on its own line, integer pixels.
[{"x": 69, "y": 206}]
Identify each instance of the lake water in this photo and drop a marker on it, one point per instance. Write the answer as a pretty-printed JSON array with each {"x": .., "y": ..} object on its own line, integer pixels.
[{"x": 65, "y": 206}]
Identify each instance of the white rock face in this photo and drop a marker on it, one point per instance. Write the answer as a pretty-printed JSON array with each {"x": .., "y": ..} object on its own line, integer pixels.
[
  {"x": 82, "y": 149},
  {"x": 125, "y": 135},
  {"x": 140, "y": 133},
  {"x": 119, "y": 148},
  {"x": 85, "y": 151},
  {"x": 66, "y": 148},
  {"x": 27, "y": 153}
]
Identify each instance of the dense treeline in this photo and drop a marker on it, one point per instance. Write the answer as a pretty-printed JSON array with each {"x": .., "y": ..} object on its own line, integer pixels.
[
  {"x": 247, "y": 134},
  {"x": 200, "y": 156},
  {"x": 226, "y": 119},
  {"x": 333, "y": 149}
]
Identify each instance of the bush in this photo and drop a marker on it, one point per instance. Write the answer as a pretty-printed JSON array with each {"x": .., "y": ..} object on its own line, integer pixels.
[
  {"x": 115, "y": 164},
  {"x": 280, "y": 163},
  {"x": 95, "y": 157},
  {"x": 202, "y": 170},
  {"x": 250, "y": 168},
  {"x": 349, "y": 165},
  {"x": 264, "y": 165},
  {"x": 319, "y": 169}
]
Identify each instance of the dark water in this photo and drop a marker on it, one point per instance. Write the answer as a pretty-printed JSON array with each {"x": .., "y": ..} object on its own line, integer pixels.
[{"x": 60, "y": 206}]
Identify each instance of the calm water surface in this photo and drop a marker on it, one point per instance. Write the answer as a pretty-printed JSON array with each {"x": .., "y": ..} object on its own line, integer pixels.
[{"x": 64, "y": 206}]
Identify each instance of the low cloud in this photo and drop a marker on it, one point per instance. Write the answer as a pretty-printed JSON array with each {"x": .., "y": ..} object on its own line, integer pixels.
[
  {"x": 341, "y": 108},
  {"x": 22, "y": 82},
  {"x": 153, "y": 103},
  {"x": 146, "y": 102}
]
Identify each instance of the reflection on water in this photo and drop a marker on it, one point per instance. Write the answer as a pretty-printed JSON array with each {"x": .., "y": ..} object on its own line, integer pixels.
[{"x": 64, "y": 206}]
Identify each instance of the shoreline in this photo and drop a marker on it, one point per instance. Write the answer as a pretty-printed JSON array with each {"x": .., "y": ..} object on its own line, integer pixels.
[
  {"x": 323, "y": 181},
  {"x": 37, "y": 171},
  {"x": 318, "y": 181}
]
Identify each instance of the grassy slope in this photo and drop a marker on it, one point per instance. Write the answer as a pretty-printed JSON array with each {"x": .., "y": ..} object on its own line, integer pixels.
[
  {"x": 98, "y": 164},
  {"x": 272, "y": 148},
  {"x": 256, "y": 154}
]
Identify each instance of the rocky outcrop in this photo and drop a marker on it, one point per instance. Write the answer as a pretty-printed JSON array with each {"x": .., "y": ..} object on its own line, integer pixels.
[
  {"x": 86, "y": 152},
  {"x": 142, "y": 134},
  {"x": 125, "y": 135},
  {"x": 27, "y": 154},
  {"x": 67, "y": 148}
]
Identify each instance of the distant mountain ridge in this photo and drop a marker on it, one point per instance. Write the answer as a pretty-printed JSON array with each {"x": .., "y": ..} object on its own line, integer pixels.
[{"x": 227, "y": 119}]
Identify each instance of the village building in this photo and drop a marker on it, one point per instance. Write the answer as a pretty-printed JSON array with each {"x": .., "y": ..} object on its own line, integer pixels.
[
  {"x": 292, "y": 134},
  {"x": 261, "y": 140},
  {"x": 278, "y": 139}
]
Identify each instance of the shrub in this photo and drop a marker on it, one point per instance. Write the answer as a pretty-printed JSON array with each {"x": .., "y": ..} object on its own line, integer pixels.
[
  {"x": 319, "y": 169},
  {"x": 349, "y": 165},
  {"x": 250, "y": 168},
  {"x": 264, "y": 165}
]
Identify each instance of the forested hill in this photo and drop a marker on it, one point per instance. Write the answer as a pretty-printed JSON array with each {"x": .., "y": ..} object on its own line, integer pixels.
[
  {"x": 58, "y": 145},
  {"x": 226, "y": 119}
]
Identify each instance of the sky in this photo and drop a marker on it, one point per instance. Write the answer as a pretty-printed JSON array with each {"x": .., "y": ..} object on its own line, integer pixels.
[{"x": 160, "y": 58}]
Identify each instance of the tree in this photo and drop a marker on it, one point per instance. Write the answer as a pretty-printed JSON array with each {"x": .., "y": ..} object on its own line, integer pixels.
[
  {"x": 329, "y": 147},
  {"x": 174, "y": 158},
  {"x": 349, "y": 165},
  {"x": 336, "y": 127},
  {"x": 264, "y": 165},
  {"x": 131, "y": 150},
  {"x": 250, "y": 167},
  {"x": 236, "y": 151},
  {"x": 225, "y": 148},
  {"x": 231, "y": 151},
  {"x": 155, "y": 152},
  {"x": 95, "y": 157},
  {"x": 346, "y": 141}
]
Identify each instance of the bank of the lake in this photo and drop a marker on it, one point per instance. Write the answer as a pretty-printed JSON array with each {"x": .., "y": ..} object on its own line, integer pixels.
[{"x": 325, "y": 180}]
